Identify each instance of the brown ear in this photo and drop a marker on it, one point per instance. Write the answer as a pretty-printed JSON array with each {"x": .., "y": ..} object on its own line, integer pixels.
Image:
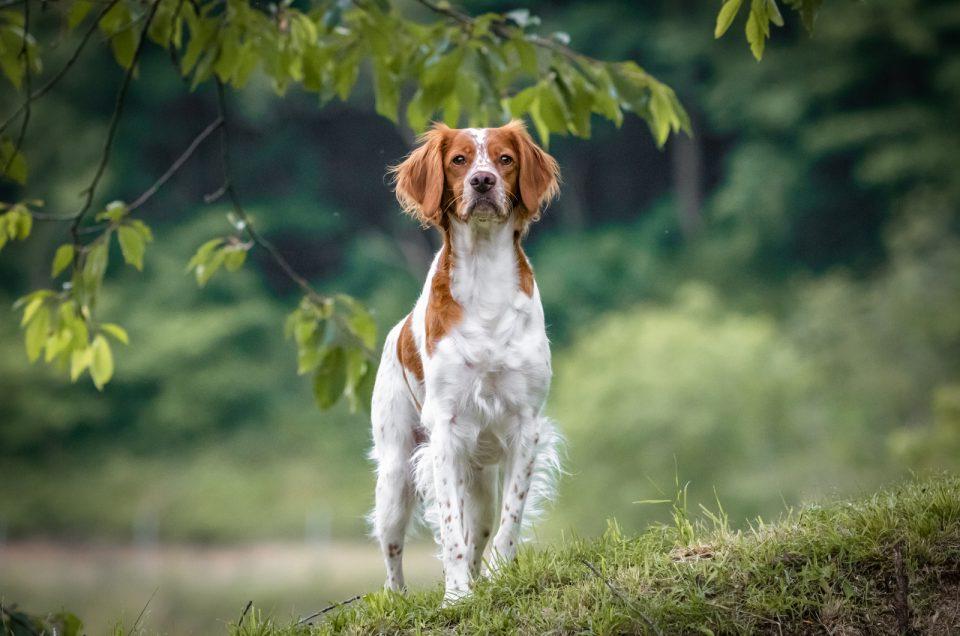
[
  {"x": 419, "y": 177},
  {"x": 539, "y": 173}
]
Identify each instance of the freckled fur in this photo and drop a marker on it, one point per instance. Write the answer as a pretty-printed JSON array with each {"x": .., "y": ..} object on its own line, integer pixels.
[{"x": 480, "y": 444}]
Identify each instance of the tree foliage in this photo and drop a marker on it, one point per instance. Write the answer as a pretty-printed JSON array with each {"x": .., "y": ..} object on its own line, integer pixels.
[
  {"x": 760, "y": 15},
  {"x": 472, "y": 70}
]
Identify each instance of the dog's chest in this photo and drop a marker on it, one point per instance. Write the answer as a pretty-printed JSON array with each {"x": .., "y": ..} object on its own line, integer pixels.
[{"x": 500, "y": 358}]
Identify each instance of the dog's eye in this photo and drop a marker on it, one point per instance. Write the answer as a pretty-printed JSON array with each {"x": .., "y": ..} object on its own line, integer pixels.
[
  {"x": 459, "y": 160},
  {"x": 506, "y": 160}
]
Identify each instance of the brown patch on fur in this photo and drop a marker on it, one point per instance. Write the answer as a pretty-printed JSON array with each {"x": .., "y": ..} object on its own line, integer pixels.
[
  {"x": 407, "y": 351},
  {"x": 538, "y": 181},
  {"x": 443, "y": 311},
  {"x": 523, "y": 267},
  {"x": 420, "y": 177},
  {"x": 420, "y": 435}
]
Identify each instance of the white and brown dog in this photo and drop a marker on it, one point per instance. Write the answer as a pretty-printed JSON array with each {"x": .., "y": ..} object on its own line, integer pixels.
[{"x": 458, "y": 403}]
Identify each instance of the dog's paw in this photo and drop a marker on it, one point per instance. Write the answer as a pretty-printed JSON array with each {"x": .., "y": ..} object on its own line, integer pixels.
[{"x": 454, "y": 595}]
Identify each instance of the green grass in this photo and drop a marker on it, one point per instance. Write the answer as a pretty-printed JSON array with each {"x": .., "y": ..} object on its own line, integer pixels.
[{"x": 886, "y": 564}]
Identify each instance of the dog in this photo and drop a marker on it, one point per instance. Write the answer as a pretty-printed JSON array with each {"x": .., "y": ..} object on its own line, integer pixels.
[{"x": 457, "y": 407}]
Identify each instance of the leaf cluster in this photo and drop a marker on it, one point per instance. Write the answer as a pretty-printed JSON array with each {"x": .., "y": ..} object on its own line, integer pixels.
[
  {"x": 474, "y": 70},
  {"x": 760, "y": 15},
  {"x": 16, "y": 222},
  {"x": 335, "y": 338},
  {"x": 61, "y": 325}
]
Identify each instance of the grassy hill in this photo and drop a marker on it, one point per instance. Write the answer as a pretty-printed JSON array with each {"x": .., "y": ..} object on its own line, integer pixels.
[{"x": 886, "y": 564}]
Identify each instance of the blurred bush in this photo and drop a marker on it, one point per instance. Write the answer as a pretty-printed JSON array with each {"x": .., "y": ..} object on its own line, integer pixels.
[{"x": 851, "y": 385}]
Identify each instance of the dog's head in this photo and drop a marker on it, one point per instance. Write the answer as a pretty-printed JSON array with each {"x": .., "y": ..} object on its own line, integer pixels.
[{"x": 483, "y": 175}]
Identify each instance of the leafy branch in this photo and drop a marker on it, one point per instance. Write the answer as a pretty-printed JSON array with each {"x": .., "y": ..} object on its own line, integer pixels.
[
  {"x": 24, "y": 55},
  {"x": 760, "y": 16},
  {"x": 40, "y": 92},
  {"x": 468, "y": 70},
  {"x": 91, "y": 190}
]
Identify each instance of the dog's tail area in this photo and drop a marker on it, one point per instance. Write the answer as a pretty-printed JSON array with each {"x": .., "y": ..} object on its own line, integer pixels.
[
  {"x": 547, "y": 470},
  {"x": 426, "y": 492}
]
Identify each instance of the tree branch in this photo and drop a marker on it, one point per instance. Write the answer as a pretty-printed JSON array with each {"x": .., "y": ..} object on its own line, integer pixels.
[
  {"x": 503, "y": 31},
  {"x": 115, "y": 120},
  {"x": 43, "y": 90},
  {"x": 176, "y": 165},
  {"x": 147, "y": 194},
  {"x": 230, "y": 190},
  {"x": 27, "y": 76}
]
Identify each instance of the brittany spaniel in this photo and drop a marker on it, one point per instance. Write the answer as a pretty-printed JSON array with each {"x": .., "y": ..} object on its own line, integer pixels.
[{"x": 457, "y": 407}]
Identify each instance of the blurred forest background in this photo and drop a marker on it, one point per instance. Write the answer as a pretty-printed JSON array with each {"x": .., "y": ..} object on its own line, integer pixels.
[{"x": 769, "y": 310}]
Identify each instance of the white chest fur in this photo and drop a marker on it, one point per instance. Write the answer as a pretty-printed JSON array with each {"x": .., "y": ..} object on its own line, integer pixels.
[{"x": 494, "y": 365}]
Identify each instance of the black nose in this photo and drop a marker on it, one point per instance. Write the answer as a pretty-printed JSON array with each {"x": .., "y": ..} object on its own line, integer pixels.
[{"x": 483, "y": 181}]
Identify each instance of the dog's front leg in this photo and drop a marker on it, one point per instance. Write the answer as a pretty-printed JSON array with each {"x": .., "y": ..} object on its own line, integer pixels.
[
  {"x": 451, "y": 473},
  {"x": 518, "y": 474}
]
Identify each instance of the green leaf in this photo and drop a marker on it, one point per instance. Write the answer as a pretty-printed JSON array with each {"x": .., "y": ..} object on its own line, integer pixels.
[
  {"x": 31, "y": 310},
  {"x": 36, "y": 333},
  {"x": 308, "y": 358},
  {"x": 78, "y": 11},
  {"x": 24, "y": 223},
  {"x": 330, "y": 378},
  {"x": 12, "y": 162},
  {"x": 58, "y": 343},
  {"x": 543, "y": 129},
  {"x": 527, "y": 55},
  {"x": 386, "y": 90},
  {"x": 359, "y": 321},
  {"x": 79, "y": 361},
  {"x": 205, "y": 271},
  {"x": 116, "y": 331},
  {"x": 118, "y": 24},
  {"x": 115, "y": 211},
  {"x": 228, "y": 58},
  {"x": 203, "y": 253},
  {"x": 29, "y": 298},
  {"x": 808, "y": 12},
  {"x": 132, "y": 246},
  {"x": 757, "y": 28},
  {"x": 345, "y": 73},
  {"x": 235, "y": 256},
  {"x": 95, "y": 264},
  {"x": 142, "y": 228},
  {"x": 101, "y": 362},
  {"x": 62, "y": 259},
  {"x": 725, "y": 18},
  {"x": 553, "y": 108},
  {"x": 364, "y": 388},
  {"x": 774, "y": 12}
]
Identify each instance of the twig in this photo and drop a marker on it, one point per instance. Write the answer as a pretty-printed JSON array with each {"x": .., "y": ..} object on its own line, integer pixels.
[
  {"x": 115, "y": 120},
  {"x": 901, "y": 597},
  {"x": 622, "y": 597},
  {"x": 43, "y": 90},
  {"x": 502, "y": 31},
  {"x": 27, "y": 76},
  {"x": 244, "y": 614},
  {"x": 143, "y": 611},
  {"x": 147, "y": 194},
  {"x": 329, "y": 608},
  {"x": 176, "y": 165},
  {"x": 230, "y": 190}
]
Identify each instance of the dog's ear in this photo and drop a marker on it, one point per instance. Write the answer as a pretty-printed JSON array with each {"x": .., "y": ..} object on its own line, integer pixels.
[
  {"x": 539, "y": 178},
  {"x": 419, "y": 178}
]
